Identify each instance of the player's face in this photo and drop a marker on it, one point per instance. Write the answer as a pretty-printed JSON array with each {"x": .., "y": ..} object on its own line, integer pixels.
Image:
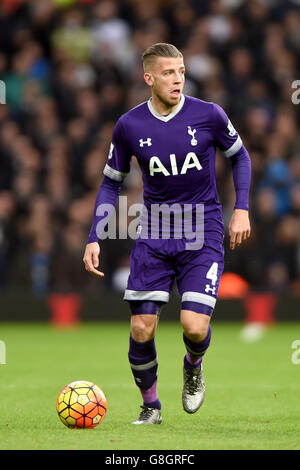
[{"x": 165, "y": 75}]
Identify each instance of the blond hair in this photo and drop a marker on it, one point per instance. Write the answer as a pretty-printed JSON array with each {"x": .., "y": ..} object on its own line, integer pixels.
[{"x": 161, "y": 49}]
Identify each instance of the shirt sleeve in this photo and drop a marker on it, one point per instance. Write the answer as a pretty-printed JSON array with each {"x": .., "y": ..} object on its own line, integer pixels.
[
  {"x": 119, "y": 157},
  {"x": 241, "y": 172},
  {"x": 105, "y": 204},
  {"x": 225, "y": 136}
]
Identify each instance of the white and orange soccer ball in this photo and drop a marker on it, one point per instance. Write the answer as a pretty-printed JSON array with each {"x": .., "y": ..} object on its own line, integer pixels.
[{"x": 81, "y": 404}]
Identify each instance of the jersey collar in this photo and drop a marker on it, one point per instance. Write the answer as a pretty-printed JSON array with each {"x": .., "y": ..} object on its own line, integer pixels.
[{"x": 169, "y": 116}]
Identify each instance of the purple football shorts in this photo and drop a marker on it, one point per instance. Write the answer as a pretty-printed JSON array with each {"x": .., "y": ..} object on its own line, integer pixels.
[{"x": 156, "y": 264}]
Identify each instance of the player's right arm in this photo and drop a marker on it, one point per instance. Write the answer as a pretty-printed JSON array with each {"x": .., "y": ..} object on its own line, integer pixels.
[
  {"x": 91, "y": 258},
  {"x": 115, "y": 171},
  {"x": 105, "y": 204}
]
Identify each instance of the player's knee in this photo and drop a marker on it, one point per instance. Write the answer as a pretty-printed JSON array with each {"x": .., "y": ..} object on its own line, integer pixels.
[
  {"x": 196, "y": 331},
  {"x": 143, "y": 327}
]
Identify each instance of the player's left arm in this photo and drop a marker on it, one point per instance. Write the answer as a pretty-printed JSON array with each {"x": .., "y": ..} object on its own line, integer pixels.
[
  {"x": 230, "y": 143},
  {"x": 239, "y": 225}
]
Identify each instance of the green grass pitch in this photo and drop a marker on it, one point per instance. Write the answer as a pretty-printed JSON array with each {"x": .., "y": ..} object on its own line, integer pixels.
[{"x": 252, "y": 390}]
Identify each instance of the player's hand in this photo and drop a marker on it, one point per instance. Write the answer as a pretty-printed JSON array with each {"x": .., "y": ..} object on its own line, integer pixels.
[
  {"x": 91, "y": 259},
  {"x": 239, "y": 228}
]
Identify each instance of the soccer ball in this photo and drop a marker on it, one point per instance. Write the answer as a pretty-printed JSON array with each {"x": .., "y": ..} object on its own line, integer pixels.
[{"x": 81, "y": 404}]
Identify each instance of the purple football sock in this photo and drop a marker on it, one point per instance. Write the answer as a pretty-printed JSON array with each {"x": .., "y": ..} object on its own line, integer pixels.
[
  {"x": 195, "y": 351},
  {"x": 194, "y": 361},
  {"x": 150, "y": 397},
  {"x": 143, "y": 362}
]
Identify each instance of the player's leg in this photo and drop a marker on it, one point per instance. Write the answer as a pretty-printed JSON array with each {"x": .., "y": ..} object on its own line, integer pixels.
[
  {"x": 149, "y": 284},
  {"x": 196, "y": 337},
  {"x": 143, "y": 362},
  {"x": 198, "y": 281},
  {"x": 143, "y": 357}
]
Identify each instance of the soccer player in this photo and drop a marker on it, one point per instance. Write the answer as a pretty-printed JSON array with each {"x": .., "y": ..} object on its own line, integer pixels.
[{"x": 174, "y": 138}]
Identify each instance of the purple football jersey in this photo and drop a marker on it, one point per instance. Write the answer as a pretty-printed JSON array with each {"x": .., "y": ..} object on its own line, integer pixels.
[{"x": 176, "y": 154}]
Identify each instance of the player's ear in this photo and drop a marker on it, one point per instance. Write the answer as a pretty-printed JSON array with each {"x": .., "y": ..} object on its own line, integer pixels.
[{"x": 148, "y": 78}]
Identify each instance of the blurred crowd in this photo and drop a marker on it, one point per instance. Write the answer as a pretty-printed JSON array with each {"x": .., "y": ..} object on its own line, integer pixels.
[{"x": 72, "y": 67}]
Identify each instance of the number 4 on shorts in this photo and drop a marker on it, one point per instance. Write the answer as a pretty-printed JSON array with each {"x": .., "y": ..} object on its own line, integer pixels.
[{"x": 212, "y": 273}]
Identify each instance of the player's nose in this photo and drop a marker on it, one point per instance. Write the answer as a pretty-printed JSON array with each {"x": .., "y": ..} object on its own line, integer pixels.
[{"x": 178, "y": 78}]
